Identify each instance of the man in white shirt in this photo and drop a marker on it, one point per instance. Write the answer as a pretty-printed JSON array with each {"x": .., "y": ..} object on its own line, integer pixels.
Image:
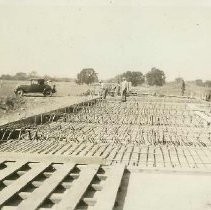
[{"x": 124, "y": 89}]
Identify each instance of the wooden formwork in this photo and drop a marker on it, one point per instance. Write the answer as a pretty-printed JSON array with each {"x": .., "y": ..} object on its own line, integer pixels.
[
  {"x": 47, "y": 182},
  {"x": 31, "y": 183}
]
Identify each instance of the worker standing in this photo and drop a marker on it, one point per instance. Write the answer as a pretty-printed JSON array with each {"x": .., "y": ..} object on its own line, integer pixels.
[
  {"x": 100, "y": 91},
  {"x": 183, "y": 88},
  {"x": 103, "y": 90},
  {"x": 124, "y": 89},
  {"x": 118, "y": 89}
]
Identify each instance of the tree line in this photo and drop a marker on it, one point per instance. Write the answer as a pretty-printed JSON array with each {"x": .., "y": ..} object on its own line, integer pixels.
[
  {"x": 32, "y": 75},
  {"x": 154, "y": 77},
  {"x": 88, "y": 76},
  {"x": 199, "y": 82}
]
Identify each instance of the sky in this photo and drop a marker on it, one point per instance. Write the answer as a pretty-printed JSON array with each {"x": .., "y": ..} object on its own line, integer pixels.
[{"x": 61, "y": 37}]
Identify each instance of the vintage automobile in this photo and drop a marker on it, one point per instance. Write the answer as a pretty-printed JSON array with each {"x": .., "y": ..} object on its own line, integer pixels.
[{"x": 36, "y": 86}]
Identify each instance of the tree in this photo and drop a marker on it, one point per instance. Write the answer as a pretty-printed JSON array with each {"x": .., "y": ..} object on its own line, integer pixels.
[
  {"x": 155, "y": 77},
  {"x": 21, "y": 76},
  {"x": 6, "y": 77},
  {"x": 199, "y": 82},
  {"x": 87, "y": 76},
  {"x": 135, "y": 77},
  {"x": 207, "y": 83}
]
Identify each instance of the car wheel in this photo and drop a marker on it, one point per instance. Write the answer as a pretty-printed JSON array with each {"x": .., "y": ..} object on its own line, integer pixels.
[
  {"x": 19, "y": 93},
  {"x": 48, "y": 93}
]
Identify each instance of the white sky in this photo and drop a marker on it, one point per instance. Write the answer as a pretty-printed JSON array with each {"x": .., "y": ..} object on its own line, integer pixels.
[{"x": 60, "y": 37}]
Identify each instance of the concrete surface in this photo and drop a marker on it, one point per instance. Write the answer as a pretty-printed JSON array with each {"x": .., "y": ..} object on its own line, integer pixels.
[{"x": 166, "y": 191}]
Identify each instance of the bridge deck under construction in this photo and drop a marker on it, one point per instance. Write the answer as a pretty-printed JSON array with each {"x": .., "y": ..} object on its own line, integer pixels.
[{"x": 84, "y": 156}]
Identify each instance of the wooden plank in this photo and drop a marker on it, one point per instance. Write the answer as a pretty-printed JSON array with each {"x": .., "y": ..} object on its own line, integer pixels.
[
  {"x": 113, "y": 154},
  {"x": 127, "y": 155},
  {"x": 203, "y": 116},
  {"x": 74, "y": 148},
  {"x": 40, "y": 194},
  {"x": 143, "y": 156},
  {"x": 167, "y": 159},
  {"x": 107, "y": 151},
  {"x": 181, "y": 157},
  {"x": 86, "y": 150},
  {"x": 37, "y": 147},
  {"x": 100, "y": 150},
  {"x": 92, "y": 151},
  {"x": 74, "y": 194},
  {"x": 52, "y": 149},
  {"x": 107, "y": 197},
  {"x": 120, "y": 153},
  {"x": 158, "y": 160},
  {"x": 45, "y": 147},
  {"x": 13, "y": 145},
  {"x": 17, "y": 185},
  {"x": 55, "y": 151},
  {"x": 64, "y": 148},
  {"x": 23, "y": 146},
  {"x": 81, "y": 147},
  {"x": 11, "y": 169},
  {"x": 174, "y": 159}
]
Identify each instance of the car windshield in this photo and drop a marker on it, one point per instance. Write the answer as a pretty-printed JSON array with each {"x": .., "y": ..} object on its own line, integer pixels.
[
  {"x": 37, "y": 82},
  {"x": 34, "y": 82}
]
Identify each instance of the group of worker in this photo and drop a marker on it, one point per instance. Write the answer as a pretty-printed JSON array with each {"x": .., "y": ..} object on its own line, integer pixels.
[{"x": 120, "y": 89}]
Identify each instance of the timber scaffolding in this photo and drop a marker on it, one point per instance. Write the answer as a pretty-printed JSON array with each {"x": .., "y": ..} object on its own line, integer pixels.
[{"x": 100, "y": 154}]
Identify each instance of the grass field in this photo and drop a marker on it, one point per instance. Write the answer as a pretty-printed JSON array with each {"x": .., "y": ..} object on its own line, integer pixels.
[
  {"x": 67, "y": 92},
  {"x": 173, "y": 89},
  {"x": 73, "y": 89},
  {"x": 63, "y": 88}
]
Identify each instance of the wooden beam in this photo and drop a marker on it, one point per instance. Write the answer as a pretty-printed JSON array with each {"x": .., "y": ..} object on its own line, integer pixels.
[
  {"x": 40, "y": 194},
  {"x": 73, "y": 196}
]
